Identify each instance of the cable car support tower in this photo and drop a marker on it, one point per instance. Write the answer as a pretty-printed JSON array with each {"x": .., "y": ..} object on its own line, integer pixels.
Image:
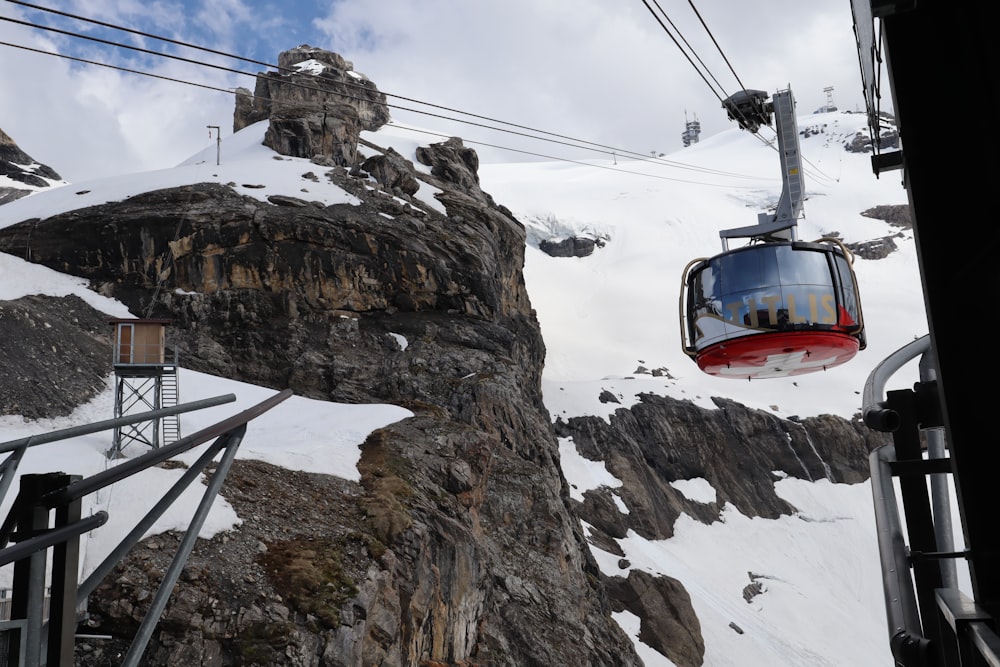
[{"x": 751, "y": 110}]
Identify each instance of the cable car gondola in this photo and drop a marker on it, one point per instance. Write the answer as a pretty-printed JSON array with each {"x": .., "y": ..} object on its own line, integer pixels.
[
  {"x": 772, "y": 310},
  {"x": 776, "y": 307}
]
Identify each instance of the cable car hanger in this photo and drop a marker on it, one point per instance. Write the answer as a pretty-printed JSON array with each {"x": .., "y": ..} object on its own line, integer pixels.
[{"x": 778, "y": 306}]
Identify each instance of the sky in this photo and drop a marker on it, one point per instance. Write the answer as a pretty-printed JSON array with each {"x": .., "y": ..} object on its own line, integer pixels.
[
  {"x": 586, "y": 70},
  {"x": 601, "y": 317}
]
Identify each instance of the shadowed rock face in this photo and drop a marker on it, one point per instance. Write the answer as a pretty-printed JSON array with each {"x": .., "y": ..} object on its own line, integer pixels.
[
  {"x": 20, "y": 167},
  {"x": 737, "y": 450}
]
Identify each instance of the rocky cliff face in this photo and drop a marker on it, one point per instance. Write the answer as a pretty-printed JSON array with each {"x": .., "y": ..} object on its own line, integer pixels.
[
  {"x": 460, "y": 545},
  {"x": 20, "y": 175},
  {"x": 315, "y": 105}
]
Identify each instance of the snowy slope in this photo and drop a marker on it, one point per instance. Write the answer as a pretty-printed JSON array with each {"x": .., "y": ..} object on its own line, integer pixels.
[{"x": 605, "y": 315}]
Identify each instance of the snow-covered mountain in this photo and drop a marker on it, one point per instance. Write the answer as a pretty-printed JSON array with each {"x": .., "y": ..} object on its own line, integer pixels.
[
  {"x": 610, "y": 323},
  {"x": 20, "y": 174}
]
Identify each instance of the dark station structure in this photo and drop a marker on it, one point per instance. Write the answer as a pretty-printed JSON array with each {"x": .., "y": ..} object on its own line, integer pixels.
[{"x": 930, "y": 49}]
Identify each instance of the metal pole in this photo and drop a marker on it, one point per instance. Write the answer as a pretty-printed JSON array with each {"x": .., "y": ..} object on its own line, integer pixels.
[
  {"x": 218, "y": 142},
  {"x": 85, "y": 429},
  {"x": 28, "y": 594},
  {"x": 65, "y": 577},
  {"x": 157, "y": 404},
  {"x": 51, "y": 537},
  {"x": 940, "y": 494},
  {"x": 908, "y": 645},
  {"x": 151, "y": 458},
  {"x": 108, "y": 564},
  {"x": 9, "y": 467},
  {"x": 232, "y": 443}
]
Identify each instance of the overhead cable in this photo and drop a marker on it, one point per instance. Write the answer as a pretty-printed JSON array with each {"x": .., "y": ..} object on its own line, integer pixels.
[
  {"x": 579, "y": 144},
  {"x": 714, "y": 41},
  {"x": 580, "y": 162},
  {"x": 674, "y": 39},
  {"x": 611, "y": 150},
  {"x": 141, "y": 33},
  {"x": 469, "y": 141},
  {"x": 706, "y": 69}
]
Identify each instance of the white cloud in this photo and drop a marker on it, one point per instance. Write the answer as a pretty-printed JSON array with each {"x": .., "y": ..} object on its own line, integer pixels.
[{"x": 584, "y": 69}]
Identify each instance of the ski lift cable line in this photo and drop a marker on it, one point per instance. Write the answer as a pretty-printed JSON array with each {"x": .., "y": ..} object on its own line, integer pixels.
[
  {"x": 277, "y": 67},
  {"x": 714, "y": 41},
  {"x": 718, "y": 47},
  {"x": 143, "y": 34},
  {"x": 586, "y": 164},
  {"x": 613, "y": 150},
  {"x": 392, "y": 124},
  {"x": 677, "y": 165},
  {"x": 821, "y": 175},
  {"x": 581, "y": 144},
  {"x": 117, "y": 67},
  {"x": 686, "y": 55},
  {"x": 688, "y": 45},
  {"x": 608, "y": 149}
]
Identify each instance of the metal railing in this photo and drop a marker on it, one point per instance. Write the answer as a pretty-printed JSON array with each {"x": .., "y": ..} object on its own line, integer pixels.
[
  {"x": 35, "y": 636},
  {"x": 931, "y": 622}
]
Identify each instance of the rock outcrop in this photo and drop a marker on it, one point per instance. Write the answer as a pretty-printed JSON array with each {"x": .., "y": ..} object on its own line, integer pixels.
[
  {"x": 315, "y": 105},
  {"x": 19, "y": 169},
  {"x": 737, "y": 450},
  {"x": 576, "y": 246},
  {"x": 897, "y": 215},
  {"x": 888, "y": 138}
]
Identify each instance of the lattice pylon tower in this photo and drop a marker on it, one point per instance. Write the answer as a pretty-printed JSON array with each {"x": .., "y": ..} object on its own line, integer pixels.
[{"x": 135, "y": 394}]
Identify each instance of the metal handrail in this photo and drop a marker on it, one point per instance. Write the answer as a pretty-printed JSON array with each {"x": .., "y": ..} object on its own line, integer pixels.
[
  {"x": 229, "y": 434},
  {"x": 130, "y": 467},
  {"x": 906, "y": 641},
  {"x": 107, "y": 424},
  {"x": 917, "y": 641},
  {"x": 874, "y": 411},
  {"x": 51, "y": 537}
]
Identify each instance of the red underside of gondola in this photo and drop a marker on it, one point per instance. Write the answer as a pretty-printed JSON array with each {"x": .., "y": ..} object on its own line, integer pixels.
[{"x": 778, "y": 354}]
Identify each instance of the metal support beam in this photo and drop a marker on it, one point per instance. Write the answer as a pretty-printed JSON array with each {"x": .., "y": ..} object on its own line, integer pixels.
[
  {"x": 29, "y": 642},
  {"x": 62, "y": 595},
  {"x": 917, "y": 510},
  {"x": 231, "y": 442},
  {"x": 28, "y": 586}
]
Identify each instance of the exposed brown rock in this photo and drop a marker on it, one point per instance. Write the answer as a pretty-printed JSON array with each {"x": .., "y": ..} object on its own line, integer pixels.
[
  {"x": 465, "y": 548},
  {"x": 316, "y": 105}
]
